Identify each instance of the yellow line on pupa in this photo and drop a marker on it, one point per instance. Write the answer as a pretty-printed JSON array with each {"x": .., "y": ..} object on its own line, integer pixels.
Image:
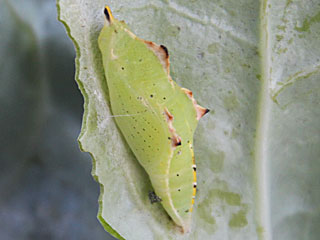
[
  {"x": 194, "y": 178},
  {"x": 108, "y": 14}
]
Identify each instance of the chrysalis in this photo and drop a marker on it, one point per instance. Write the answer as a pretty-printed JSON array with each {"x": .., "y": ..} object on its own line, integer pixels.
[{"x": 161, "y": 116}]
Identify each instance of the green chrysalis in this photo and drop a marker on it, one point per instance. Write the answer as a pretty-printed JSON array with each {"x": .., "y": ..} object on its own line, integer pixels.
[{"x": 161, "y": 117}]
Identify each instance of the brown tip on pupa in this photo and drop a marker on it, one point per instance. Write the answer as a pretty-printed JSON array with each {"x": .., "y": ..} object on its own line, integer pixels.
[
  {"x": 188, "y": 92},
  {"x": 161, "y": 52},
  {"x": 149, "y": 43},
  {"x": 169, "y": 115},
  {"x": 108, "y": 14},
  {"x": 201, "y": 111},
  {"x": 175, "y": 139},
  {"x": 166, "y": 50}
]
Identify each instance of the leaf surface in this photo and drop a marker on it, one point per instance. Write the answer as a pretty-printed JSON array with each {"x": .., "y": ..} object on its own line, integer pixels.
[{"x": 255, "y": 64}]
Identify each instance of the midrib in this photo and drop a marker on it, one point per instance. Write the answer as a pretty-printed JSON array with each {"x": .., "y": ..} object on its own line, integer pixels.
[{"x": 263, "y": 114}]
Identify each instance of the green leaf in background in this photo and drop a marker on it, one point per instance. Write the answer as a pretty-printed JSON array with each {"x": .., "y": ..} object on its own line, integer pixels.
[
  {"x": 16, "y": 49},
  {"x": 46, "y": 188},
  {"x": 256, "y": 65}
]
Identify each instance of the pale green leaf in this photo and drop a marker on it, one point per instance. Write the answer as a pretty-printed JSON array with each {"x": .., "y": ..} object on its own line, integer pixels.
[{"x": 256, "y": 65}]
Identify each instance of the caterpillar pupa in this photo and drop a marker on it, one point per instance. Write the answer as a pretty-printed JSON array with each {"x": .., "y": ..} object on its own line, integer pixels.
[{"x": 162, "y": 116}]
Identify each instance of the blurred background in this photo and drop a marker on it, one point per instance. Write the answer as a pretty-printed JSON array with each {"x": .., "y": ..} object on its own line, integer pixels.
[{"x": 47, "y": 191}]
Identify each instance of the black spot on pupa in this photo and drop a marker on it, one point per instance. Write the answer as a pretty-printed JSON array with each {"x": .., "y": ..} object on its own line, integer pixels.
[
  {"x": 106, "y": 13},
  {"x": 169, "y": 138},
  {"x": 151, "y": 96},
  {"x": 140, "y": 60},
  {"x": 179, "y": 190},
  {"x": 166, "y": 50},
  {"x": 178, "y": 175},
  {"x": 186, "y": 211},
  {"x": 122, "y": 68},
  {"x": 164, "y": 98}
]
